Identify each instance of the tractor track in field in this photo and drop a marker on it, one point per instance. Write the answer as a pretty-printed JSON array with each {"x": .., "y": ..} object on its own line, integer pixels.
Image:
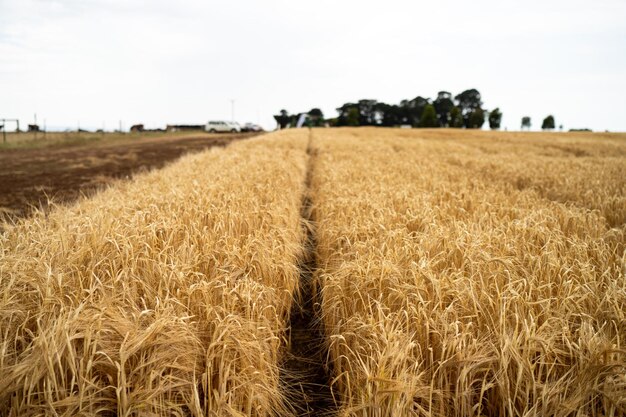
[{"x": 305, "y": 375}]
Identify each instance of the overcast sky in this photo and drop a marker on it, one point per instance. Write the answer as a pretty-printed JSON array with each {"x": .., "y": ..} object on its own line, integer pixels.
[{"x": 96, "y": 62}]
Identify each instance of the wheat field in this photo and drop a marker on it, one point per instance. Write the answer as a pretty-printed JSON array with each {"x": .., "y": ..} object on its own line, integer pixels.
[
  {"x": 470, "y": 274},
  {"x": 456, "y": 273},
  {"x": 167, "y": 295}
]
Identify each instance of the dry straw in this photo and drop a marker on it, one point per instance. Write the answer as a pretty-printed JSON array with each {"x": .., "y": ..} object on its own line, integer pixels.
[
  {"x": 460, "y": 274},
  {"x": 472, "y": 274},
  {"x": 166, "y": 295}
]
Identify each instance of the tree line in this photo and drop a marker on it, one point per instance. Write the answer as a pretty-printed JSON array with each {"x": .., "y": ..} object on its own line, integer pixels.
[
  {"x": 463, "y": 110},
  {"x": 547, "y": 124}
]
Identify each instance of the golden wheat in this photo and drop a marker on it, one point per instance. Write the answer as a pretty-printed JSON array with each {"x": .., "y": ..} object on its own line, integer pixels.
[
  {"x": 449, "y": 288},
  {"x": 167, "y": 295},
  {"x": 460, "y": 273}
]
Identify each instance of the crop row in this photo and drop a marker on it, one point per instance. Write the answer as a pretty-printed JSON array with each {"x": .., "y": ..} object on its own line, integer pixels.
[
  {"x": 166, "y": 295},
  {"x": 446, "y": 290}
]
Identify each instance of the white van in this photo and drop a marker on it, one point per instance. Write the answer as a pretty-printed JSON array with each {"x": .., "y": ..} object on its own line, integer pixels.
[{"x": 222, "y": 126}]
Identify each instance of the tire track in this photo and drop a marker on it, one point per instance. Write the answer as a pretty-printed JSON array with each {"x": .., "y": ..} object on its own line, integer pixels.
[{"x": 305, "y": 375}]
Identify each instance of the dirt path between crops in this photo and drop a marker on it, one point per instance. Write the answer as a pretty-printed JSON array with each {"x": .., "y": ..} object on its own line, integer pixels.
[
  {"x": 31, "y": 177},
  {"x": 305, "y": 374}
]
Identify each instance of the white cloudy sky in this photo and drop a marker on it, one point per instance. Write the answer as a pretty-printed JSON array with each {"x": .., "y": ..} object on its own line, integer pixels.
[{"x": 157, "y": 62}]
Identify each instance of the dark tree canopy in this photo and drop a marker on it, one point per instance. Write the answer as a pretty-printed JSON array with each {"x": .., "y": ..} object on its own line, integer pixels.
[
  {"x": 548, "y": 123},
  {"x": 443, "y": 105},
  {"x": 344, "y": 111},
  {"x": 388, "y": 114},
  {"x": 526, "y": 122},
  {"x": 476, "y": 119},
  {"x": 352, "y": 118},
  {"x": 412, "y": 110},
  {"x": 316, "y": 113},
  {"x": 468, "y": 101},
  {"x": 316, "y": 118},
  {"x": 429, "y": 117},
  {"x": 464, "y": 110},
  {"x": 495, "y": 118},
  {"x": 456, "y": 118},
  {"x": 366, "y": 112}
]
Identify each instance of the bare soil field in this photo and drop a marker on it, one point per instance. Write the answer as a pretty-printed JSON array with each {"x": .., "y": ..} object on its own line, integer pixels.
[{"x": 34, "y": 177}]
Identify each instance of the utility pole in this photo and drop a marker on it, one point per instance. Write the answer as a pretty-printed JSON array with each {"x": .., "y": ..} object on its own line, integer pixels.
[
  {"x": 232, "y": 109},
  {"x": 44, "y": 129},
  {"x": 36, "y": 127}
]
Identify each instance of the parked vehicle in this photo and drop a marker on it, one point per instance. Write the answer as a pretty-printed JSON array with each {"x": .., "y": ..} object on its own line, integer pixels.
[
  {"x": 251, "y": 127},
  {"x": 222, "y": 126}
]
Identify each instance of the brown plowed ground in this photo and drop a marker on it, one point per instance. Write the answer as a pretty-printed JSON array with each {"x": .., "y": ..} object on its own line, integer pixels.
[{"x": 31, "y": 178}]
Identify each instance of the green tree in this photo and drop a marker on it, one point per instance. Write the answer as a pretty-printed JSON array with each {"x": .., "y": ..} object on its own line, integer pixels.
[
  {"x": 476, "y": 119},
  {"x": 469, "y": 101},
  {"x": 352, "y": 118},
  {"x": 429, "y": 117},
  {"x": 526, "y": 122},
  {"x": 495, "y": 118},
  {"x": 412, "y": 110},
  {"x": 443, "y": 105},
  {"x": 344, "y": 111},
  {"x": 456, "y": 118},
  {"x": 548, "y": 123},
  {"x": 316, "y": 118},
  {"x": 388, "y": 115},
  {"x": 367, "y": 113},
  {"x": 316, "y": 113}
]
